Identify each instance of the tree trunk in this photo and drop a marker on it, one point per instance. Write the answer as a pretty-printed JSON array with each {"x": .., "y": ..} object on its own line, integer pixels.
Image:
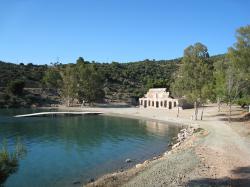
[
  {"x": 178, "y": 112},
  {"x": 83, "y": 104},
  {"x": 195, "y": 110},
  {"x": 230, "y": 111},
  {"x": 202, "y": 111},
  {"x": 219, "y": 104},
  {"x": 68, "y": 102}
]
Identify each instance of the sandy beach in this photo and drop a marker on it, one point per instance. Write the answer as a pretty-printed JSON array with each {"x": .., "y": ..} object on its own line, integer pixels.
[{"x": 219, "y": 155}]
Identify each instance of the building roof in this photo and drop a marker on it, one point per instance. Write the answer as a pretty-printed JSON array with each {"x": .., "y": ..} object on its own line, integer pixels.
[{"x": 157, "y": 90}]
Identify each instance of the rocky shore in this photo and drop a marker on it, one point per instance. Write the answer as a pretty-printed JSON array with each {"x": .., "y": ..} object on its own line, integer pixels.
[{"x": 184, "y": 140}]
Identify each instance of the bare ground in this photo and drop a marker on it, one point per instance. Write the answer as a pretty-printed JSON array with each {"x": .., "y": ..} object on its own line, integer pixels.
[{"x": 220, "y": 156}]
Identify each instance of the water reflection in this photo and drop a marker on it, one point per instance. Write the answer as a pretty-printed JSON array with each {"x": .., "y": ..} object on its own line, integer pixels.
[{"x": 64, "y": 149}]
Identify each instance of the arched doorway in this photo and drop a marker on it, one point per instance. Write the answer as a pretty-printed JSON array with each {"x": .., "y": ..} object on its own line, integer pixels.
[
  {"x": 174, "y": 104},
  {"x": 169, "y": 105},
  {"x": 165, "y": 104},
  {"x": 157, "y": 104}
]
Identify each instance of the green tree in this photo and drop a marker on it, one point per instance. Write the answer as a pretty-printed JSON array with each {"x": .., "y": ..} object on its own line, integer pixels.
[
  {"x": 220, "y": 68},
  {"x": 81, "y": 60},
  {"x": 90, "y": 85},
  {"x": 193, "y": 78},
  {"x": 70, "y": 83},
  {"x": 52, "y": 77},
  {"x": 238, "y": 73}
]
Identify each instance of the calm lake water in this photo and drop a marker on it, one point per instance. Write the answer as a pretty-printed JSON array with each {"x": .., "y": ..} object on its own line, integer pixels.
[{"x": 63, "y": 150}]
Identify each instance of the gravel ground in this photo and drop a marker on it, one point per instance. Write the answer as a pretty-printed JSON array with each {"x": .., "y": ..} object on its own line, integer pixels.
[{"x": 165, "y": 172}]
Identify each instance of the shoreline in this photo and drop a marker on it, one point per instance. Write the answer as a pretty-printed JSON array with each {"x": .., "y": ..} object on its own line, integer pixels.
[
  {"x": 213, "y": 158},
  {"x": 218, "y": 157},
  {"x": 128, "y": 113},
  {"x": 118, "y": 178},
  {"x": 135, "y": 168}
]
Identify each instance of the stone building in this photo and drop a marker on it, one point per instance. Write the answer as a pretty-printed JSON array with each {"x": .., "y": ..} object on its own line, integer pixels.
[{"x": 158, "y": 98}]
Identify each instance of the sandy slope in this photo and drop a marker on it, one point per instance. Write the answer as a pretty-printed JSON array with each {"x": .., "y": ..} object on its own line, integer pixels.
[{"x": 220, "y": 158}]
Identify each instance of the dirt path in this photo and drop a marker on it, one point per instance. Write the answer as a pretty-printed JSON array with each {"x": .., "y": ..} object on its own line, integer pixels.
[
  {"x": 222, "y": 158},
  {"x": 224, "y": 152}
]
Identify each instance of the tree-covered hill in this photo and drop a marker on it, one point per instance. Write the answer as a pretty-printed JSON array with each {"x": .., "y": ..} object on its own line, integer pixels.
[
  {"x": 121, "y": 80},
  {"x": 31, "y": 74}
]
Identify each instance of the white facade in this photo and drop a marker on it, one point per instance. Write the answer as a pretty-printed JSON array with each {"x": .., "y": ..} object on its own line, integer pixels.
[{"x": 158, "y": 98}]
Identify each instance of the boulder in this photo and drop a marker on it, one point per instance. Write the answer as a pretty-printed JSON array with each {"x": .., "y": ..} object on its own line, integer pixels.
[{"x": 128, "y": 160}]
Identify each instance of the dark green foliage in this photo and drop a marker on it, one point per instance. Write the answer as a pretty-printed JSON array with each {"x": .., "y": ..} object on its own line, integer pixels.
[
  {"x": 120, "y": 81},
  {"x": 31, "y": 74},
  {"x": 90, "y": 83},
  {"x": 16, "y": 87},
  {"x": 134, "y": 79},
  {"x": 117, "y": 81}
]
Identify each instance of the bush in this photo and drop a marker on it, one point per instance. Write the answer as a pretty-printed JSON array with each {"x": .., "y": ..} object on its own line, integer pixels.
[
  {"x": 9, "y": 160},
  {"x": 16, "y": 87}
]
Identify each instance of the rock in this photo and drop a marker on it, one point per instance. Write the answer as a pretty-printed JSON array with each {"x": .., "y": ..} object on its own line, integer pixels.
[
  {"x": 76, "y": 182},
  {"x": 128, "y": 160},
  {"x": 183, "y": 130},
  {"x": 91, "y": 180},
  {"x": 138, "y": 165},
  {"x": 167, "y": 153},
  {"x": 114, "y": 177},
  {"x": 176, "y": 145}
]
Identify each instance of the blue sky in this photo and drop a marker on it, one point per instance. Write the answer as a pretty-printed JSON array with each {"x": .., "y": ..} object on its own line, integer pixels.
[{"x": 42, "y": 31}]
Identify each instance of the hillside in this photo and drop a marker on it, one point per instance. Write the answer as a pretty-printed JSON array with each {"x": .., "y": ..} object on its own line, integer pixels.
[{"x": 123, "y": 81}]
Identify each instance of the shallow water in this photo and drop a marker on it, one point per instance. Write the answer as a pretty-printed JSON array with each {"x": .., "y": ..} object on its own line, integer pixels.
[{"x": 64, "y": 150}]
